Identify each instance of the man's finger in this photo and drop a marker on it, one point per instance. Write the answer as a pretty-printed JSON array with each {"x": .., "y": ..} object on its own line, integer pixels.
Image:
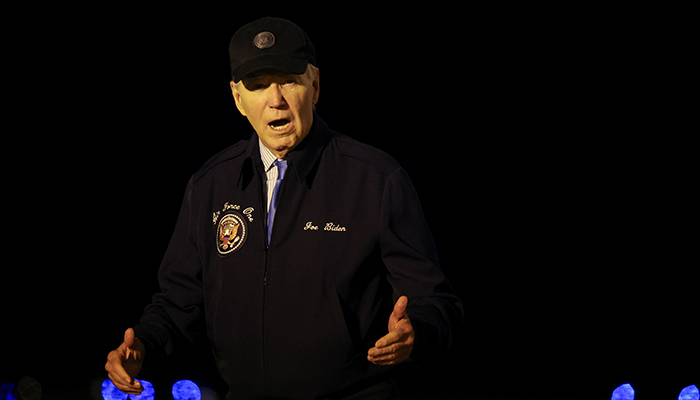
[
  {"x": 399, "y": 311},
  {"x": 401, "y": 303},
  {"x": 129, "y": 337},
  {"x": 396, "y": 335},
  {"x": 116, "y": 371},
  {"x": 119, "y": 381},
  {"x": 130, "y": 389},
  {"x": 389, "y": 355},
  {"x": 124, "y": 382},
  {"x": 388, "y": 339},
  {"x": 392, "y": 348}
]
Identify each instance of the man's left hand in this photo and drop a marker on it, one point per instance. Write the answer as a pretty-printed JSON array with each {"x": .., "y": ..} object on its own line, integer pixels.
[{"x": 396, "y": 346}]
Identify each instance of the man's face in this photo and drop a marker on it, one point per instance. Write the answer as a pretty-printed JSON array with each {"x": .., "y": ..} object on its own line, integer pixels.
[{"x": 279, "y": 106}]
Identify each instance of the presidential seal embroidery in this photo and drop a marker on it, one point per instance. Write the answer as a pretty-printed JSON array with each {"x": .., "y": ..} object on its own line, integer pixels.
[{"x": 231, "y": 232}]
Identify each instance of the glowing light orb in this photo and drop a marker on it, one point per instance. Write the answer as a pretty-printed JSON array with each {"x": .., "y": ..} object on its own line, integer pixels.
[
  {"x": 6, "y": 390},
  {"x": 689, "y": 393},
  {"x": 623, "y": 392},
  {"x": 186, "y": 390},
  {"x": 148, "y": 392},
  {"x": 110, "y": 392}
]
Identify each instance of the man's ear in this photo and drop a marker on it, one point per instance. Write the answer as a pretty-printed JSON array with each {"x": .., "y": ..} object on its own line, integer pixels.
[{"x": 237, "y": 98}]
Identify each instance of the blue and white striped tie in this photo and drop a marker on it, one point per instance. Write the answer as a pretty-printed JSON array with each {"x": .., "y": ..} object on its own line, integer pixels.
[{"x": 281, "y": 169}]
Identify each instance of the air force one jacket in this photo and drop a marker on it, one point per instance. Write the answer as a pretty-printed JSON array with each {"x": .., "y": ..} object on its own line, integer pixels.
[{"x": 295, "y": 318}]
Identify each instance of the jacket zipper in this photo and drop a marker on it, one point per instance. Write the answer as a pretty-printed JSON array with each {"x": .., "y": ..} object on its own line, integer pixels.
[{"x": 263, "y": 209}]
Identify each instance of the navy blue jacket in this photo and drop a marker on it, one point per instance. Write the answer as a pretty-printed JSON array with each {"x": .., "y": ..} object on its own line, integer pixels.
[{"x": 295, "y": 319}]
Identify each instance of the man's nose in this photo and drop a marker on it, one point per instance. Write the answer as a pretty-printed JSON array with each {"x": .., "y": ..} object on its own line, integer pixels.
[{"x": 275, "y": 96}]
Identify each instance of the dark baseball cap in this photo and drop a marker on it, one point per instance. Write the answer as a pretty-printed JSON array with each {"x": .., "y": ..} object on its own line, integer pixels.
[{"x": 270, "y": 43}]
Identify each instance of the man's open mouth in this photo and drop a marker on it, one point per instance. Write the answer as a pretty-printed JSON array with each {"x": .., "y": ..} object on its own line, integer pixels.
[{"x": 279, "y": 124}]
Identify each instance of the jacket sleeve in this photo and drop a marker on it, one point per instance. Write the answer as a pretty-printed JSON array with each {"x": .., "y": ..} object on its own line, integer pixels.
[
  {"x": 176, "y": 314},
  {"x": 409, "y": 253}
]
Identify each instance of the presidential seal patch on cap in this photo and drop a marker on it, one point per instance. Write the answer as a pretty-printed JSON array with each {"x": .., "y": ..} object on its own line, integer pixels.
[
  {"x": 231, "y": 232},
  {"x": 264, "y": 40}
]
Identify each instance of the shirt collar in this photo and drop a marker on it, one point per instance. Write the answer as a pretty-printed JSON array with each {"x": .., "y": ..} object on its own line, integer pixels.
[{"x": 266, "y": 155}]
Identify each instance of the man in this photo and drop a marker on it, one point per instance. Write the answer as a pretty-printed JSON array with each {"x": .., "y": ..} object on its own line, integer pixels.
[{"x": 294, "y": 249}]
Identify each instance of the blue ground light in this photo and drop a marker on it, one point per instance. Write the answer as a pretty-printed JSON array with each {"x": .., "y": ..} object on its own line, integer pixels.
[
  {"x": 626, "y": 392},
  {"x": 182, "y": 390},
  {"x": 689, "y": 393},
  {"x": 623, "y": 392},
  {"x": 110, "y": 392},
  {"x": 7, "y": 390},
  {"x": 186, "y": 390},
  {"x": 148, "y": 392}
]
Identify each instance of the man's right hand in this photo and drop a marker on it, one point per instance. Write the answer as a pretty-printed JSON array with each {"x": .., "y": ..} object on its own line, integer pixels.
[{"x": 124, "y": 363}]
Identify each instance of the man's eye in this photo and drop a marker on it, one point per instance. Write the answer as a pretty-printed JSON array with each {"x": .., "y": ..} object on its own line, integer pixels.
[{"x": 253, "y": 86}]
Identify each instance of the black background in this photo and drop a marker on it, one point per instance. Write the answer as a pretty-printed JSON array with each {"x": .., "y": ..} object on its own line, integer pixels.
[{"x": 549, "y": 145}]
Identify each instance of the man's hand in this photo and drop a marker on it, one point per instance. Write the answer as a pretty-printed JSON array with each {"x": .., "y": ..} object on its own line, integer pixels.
[
  {"x": 396, "y": 346},
  {"x": 124, "y": 363}
]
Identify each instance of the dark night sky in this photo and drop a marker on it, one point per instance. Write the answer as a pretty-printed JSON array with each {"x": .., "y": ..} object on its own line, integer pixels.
[{"x": 571, "y": 244}]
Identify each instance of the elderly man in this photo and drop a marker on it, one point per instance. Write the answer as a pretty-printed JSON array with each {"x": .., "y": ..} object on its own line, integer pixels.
[{"x": 301, "y": 254}]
